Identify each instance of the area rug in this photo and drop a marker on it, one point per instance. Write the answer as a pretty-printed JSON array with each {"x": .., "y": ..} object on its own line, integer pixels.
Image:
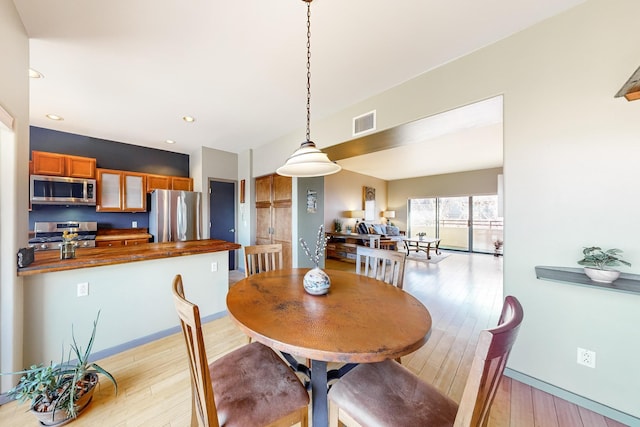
[{"x": 422, "y": 256}]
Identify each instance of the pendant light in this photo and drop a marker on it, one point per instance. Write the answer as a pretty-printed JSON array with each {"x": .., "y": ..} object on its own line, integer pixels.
[{"x": 308, "y": 160}]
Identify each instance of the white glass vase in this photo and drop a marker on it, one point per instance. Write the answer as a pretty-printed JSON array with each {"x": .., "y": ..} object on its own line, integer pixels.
[{"x": 316, "y": 282}]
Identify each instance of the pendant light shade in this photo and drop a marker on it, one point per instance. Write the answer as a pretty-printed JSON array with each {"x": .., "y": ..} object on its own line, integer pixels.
[{"x": 308, "y": 160}]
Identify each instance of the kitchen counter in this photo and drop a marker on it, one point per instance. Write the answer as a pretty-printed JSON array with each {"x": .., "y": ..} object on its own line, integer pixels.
[
  {"x": 122, "y": 234},
  {"x": 49, "y": 261}
]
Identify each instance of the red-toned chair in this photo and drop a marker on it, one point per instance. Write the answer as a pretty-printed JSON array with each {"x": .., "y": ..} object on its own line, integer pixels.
[
  {"x": 388, "y": 394},
  {"x": 251, "y": 386}
]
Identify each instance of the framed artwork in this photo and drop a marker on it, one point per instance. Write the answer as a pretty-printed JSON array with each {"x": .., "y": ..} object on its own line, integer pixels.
[
  {"x": 242, "y": 186},
  {"x": 312, "y": 201},
  {"x": 369, "y": 195}
]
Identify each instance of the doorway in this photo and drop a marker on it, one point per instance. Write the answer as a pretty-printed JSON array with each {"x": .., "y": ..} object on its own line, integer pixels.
[{"x": 222, "y": 214}]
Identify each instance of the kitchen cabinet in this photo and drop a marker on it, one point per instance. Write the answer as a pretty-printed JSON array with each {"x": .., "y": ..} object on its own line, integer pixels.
[
  {"x": 119, "y": 237},
  {"x": 121, "y": 191},
  {"x": 273, "y": 213},
  {"x": 166, "y": 182},
  {"x": 181, "y": 183},
  {"x": 63, "y": 165}
]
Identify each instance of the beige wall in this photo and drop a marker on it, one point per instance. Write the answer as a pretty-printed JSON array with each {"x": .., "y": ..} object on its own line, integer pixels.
[
  {"x": 570, "y": 173},
  {"x": 344, "y": 192},
  {"x": 14, "y": 174},
  {"x": 471, "y": 183}
]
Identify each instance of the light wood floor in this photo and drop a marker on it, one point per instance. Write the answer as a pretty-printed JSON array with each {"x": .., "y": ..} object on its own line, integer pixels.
[{"x": 462, "y": 292}]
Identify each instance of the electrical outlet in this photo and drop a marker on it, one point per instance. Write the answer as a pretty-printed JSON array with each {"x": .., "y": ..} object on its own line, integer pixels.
[
  {"x": 214, "y": 267},
  {"x": 83, "y": 289},
  {"x": 586, "y": 357},
  {"x": 134, "y": 224}
]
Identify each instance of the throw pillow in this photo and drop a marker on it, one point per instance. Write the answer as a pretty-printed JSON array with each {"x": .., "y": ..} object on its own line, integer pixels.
[
  {"x": 392, "y": 230},
  {"x": 378, "y": 229},
  {"x": 362, "y": 228}
]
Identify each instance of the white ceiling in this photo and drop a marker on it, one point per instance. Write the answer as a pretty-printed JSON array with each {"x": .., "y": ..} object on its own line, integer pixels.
[{"x": 128, "y": 71}]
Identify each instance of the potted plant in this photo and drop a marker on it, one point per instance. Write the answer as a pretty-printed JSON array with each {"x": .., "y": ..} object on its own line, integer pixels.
[
  {"x": 337, "y": 225},
  {"x": 596, "y": 260},
  {"x": 421, "y": 235},
  {"x": 59, "y": 392}
]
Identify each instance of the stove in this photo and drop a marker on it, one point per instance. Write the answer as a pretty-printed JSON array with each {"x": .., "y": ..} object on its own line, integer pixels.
[{"x": 48, "y": 235}]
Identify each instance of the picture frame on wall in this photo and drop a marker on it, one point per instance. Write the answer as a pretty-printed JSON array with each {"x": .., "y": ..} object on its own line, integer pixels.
[
  {"x": 369, "y": 196},
  {"x": 312, "y": 201}
]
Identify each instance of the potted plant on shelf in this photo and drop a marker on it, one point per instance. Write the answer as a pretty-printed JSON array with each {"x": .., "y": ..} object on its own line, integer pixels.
[
  {"x": 59, "y": 392},
  {"x": 596, "y": 260}
]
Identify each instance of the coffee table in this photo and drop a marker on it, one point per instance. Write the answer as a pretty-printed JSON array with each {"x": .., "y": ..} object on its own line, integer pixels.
[{"x": 423, "y": 244}]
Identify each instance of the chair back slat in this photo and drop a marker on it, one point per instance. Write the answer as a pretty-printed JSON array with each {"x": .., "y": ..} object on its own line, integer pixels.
[
  {"x": 260, "y": 258},
  {"x": 203, "y": 403},
  {"x": 492, "y": 351},
  {"x": 381, "y": 264}
]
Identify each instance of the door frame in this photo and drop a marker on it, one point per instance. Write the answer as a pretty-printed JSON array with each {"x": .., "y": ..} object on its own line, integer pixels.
[{"x": 235, "y": 211}]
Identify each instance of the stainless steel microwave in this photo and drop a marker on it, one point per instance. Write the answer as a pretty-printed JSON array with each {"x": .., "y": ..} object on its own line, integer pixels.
[{"x": 59, "y": 190}]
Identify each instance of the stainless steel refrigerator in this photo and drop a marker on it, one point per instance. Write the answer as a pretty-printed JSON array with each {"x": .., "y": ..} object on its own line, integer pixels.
[{"x": 175, "y": 215}]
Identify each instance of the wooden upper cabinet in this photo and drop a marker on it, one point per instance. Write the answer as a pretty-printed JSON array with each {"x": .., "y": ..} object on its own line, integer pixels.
[
  {"x": 158, "y": 182},
  {"x": 80, "y": 167},
  {"x": 181, "y": 183},
  {"x": 63, "y": 165},
  {"x": 48, "y": 163},
  {"x": 165, "y": 182},
  {"x": 121, "y": 191}
]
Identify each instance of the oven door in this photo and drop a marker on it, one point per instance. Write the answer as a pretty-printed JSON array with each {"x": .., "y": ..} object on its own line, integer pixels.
[{"x": 57, "y": 190}]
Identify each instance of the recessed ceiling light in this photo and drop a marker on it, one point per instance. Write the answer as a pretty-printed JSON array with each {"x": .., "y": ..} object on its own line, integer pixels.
[
  {"x": 188, "y": 119},
  {"x": 170, "y": 141},
  {"x": 34, "y": 74},
  {"x": 54, "y": 117}
]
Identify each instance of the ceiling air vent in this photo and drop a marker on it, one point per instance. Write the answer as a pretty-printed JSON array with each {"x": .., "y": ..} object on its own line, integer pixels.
[{"x": 364, "y": 123}]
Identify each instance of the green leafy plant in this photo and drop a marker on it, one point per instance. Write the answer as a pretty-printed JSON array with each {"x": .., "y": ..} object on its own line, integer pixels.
[
  {"x": 59, "y": 386},
  {"x": 337, "y": 225},
  {"x": 599, "y": 258}
]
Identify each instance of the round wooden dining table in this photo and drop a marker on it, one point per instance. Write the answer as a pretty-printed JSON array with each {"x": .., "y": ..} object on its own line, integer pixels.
[{"x": 360, "y": 320}]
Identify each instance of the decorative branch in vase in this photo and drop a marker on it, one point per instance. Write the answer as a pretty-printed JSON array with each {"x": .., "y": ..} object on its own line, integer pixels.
[{"x": 316, "y": 281}]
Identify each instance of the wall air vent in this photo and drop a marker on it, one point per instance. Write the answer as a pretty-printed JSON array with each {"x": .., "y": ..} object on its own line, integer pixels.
[{"x": 364, "y": 123}]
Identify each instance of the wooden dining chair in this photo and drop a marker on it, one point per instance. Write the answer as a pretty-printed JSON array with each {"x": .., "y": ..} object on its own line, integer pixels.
[
  {"x": 251, "y": 386},
  {"x": 381, "y": 264},
  {"x": 260, "y": 258},
  {"x": 388, "y": 394}
]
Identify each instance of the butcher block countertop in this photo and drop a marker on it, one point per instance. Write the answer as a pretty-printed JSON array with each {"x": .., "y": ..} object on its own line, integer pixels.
[{"x": 49, "y": 261}]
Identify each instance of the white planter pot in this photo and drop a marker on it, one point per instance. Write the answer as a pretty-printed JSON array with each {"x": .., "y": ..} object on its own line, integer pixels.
[{"x": 602, "y": 276}]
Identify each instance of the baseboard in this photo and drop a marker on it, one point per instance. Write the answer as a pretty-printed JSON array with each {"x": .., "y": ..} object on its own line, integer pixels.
[
  {"x": 132, "y": 344},
  {"x": 589, "y": 404}
]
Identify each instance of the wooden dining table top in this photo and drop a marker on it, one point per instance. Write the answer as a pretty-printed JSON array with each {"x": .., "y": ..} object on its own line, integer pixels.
[{"x": 360, "y": 319}]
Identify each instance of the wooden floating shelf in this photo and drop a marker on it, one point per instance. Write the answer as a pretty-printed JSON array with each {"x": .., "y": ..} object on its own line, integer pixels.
[{"x": 625, "y": 283}]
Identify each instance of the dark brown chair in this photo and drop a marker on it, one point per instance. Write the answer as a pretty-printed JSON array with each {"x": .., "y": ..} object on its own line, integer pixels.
[
  {"x": 251, "y": 386},
  {"x": 388, "y": 394},
  {"x": 260, "y": 258},
  {"x": 381, "y": 264}
]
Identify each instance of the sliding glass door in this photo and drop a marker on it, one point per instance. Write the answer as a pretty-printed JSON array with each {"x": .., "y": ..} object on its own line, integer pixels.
[
  {"x": 453, "y": 222},
  {"x": 487, "y": 226},
  {"x": 448, "y": 218}
]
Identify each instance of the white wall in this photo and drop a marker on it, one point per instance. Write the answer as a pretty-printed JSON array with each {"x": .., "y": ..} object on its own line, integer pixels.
[
  {"x": 14, "y": 160},
  {"x": 344, "y": 192},
  {"x": 211, "y": 164},
  {"x": 570, "y": 172}
]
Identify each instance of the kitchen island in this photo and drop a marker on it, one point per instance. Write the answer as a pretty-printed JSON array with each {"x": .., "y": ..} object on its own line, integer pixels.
[
  {"x": 130, "y": 286},
  {"x": 49, "y": 261}
]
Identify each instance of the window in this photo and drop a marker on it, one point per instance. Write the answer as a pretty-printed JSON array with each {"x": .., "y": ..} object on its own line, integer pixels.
[{"x": 448, "y": 219}]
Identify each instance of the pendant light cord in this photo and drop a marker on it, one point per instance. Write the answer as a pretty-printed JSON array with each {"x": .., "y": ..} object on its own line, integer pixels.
[{"x": 308, "y": 69}]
